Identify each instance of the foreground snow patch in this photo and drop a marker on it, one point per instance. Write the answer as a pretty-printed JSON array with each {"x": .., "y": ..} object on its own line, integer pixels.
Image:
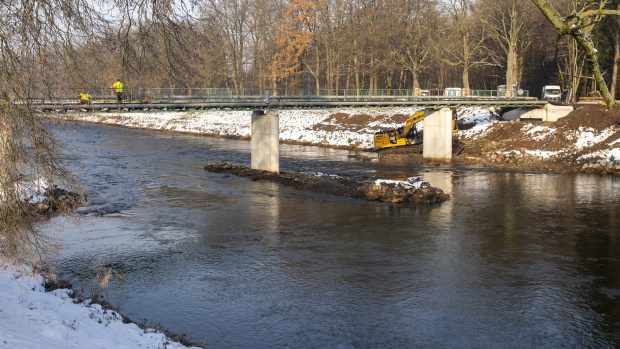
[{"x": 33, "y": 318}]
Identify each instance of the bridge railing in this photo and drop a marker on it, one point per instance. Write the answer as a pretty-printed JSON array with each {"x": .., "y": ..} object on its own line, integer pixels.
[{"x": 218, "y": 95}]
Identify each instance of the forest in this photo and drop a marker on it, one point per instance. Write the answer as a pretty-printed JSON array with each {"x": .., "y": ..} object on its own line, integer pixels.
[{"x": 324, "y": 46}]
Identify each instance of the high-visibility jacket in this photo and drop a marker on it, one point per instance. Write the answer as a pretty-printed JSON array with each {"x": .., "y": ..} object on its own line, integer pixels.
[
  {"x": 84, "y": 97},
  {"x": 118, "y": 87}
]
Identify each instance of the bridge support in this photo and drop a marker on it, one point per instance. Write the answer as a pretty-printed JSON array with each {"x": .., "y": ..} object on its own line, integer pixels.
[
  {"x": 548, "y": 112},
  {"x": 437, "y": 144},
  {"x": 265, "y": 144}
]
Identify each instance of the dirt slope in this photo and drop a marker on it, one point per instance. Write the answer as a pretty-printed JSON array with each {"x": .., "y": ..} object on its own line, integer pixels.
[{"x": 587, "y": 140}]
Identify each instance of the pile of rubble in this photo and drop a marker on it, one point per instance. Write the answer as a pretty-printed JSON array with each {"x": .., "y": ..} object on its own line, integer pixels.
[{"x": 412, "y": 191}]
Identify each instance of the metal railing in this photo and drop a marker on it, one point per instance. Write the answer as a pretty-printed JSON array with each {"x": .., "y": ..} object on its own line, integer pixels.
[{"x": 215, "y": 95}]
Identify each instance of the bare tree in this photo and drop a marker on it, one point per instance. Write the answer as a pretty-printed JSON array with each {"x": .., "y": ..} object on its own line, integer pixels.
[
  {"x": 233, "y": 20},
  {"x": 414, "y": 47},
  {"x": 263, "y": 17},
  {"x": 506, "y": 25},
  {"x": 467, "y": 53},
  {"x": 32, "y": 34},
  {"x": 578, "y": 25}
]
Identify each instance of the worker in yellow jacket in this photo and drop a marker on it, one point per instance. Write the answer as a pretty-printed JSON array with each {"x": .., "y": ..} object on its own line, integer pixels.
[
  {"x": 120, "y": 90},
  {"x": 84, "y": 98}
]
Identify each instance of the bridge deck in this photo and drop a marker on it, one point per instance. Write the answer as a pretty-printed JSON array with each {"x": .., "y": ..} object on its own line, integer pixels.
[{"x": 298, "y": 103}]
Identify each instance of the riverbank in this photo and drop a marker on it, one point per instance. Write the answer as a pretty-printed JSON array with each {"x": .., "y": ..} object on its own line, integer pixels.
[
  {"x": 38, "y": 311},
  {"x": 30, "y": 317},
  {"x": 587, "y": 140}
]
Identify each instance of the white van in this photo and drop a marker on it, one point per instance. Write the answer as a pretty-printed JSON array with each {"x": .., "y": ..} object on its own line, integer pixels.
[
  {"x": 552, "y": 93},
  {"x": 453, "y": 92}
]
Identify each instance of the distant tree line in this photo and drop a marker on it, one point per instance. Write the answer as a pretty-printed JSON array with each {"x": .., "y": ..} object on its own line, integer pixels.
[{"x": 305, "y": 46}]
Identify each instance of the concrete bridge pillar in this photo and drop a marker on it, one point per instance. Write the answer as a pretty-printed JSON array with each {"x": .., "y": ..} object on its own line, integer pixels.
[
  {"x": 265, "y": 144},
  {"x": 437, "y": 144}
]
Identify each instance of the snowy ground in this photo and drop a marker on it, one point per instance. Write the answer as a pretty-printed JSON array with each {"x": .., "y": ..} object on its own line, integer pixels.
[
  {"x": 31, "y": 318},
  {"x": 315, "y": 126},
  {"x": 354, "y": 128}
]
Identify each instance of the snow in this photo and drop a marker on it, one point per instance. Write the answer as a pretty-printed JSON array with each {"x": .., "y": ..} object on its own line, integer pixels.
[
  {"x": 33, "y": 191},
  {"x": 296, "y": 125},
  {"x": 321, "y": 174},
  {"x": 586, "y": 137},
  {"x": 538, "y": 133},
  {"x": 474, "y": 115},
  {"x": 410, "y": 183},
  {"x": 612, "y": 154},
  {"x": 481, "y": 118},
  {"x": 319, "y": 127},
  {"x": 33, "y": 318}
]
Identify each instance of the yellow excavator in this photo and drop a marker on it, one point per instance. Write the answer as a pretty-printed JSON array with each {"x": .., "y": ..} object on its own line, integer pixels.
[{"x": 405, "y": 135}]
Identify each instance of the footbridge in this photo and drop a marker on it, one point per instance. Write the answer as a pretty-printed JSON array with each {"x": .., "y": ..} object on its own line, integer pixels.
[
  {"x": 439, "y": 108},
  {"x": 292, "y": 102}
]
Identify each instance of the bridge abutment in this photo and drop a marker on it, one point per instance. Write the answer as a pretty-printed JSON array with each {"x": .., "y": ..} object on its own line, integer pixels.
[
  {"x": 437, "y": 144},
  {"x": 548, "y": 112},
  {"x": 265, "y": 141}
]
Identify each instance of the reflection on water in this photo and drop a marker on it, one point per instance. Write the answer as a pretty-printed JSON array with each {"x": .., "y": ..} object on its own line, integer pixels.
[{"x": 512, "y": 260}]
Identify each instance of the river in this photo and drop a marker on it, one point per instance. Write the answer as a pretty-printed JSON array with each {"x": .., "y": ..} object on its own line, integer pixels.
[{"x": 511, "y": 260}]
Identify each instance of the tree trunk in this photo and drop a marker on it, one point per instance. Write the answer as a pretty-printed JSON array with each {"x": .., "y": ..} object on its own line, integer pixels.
[
  {"x": 614, "y": 75},
  {"x": 466, "y": 90},
  {"x": 512, "y": 70},
  {"x": 416, "y": 83},
  {"x": 466, "y": 63}
]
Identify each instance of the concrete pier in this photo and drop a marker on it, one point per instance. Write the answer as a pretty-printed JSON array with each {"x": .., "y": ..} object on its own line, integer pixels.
[
  {"x": 265, "y": 144},
  {"x": 437, "y": 143}
]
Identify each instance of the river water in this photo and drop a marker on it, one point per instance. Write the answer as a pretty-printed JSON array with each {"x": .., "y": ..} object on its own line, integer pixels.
[{"x": 511, "y": 260}]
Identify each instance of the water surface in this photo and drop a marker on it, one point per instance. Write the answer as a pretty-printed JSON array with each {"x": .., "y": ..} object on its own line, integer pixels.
[{"x": 512, "y": 260}]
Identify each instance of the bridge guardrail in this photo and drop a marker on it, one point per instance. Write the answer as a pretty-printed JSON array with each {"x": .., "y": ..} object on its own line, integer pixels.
[{"x": 170, "y": 95}]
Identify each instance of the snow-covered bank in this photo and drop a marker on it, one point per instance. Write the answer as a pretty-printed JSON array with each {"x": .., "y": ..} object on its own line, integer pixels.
[
  {"x": 31, "y": 318},
  {"x": 347, "y": 128},
  {"x": 585, "y": 140}
]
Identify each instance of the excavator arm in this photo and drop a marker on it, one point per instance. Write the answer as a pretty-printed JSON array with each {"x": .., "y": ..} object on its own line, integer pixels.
[
  {"x": 405, "y": 135},
  {"x": 401, "y": 136}
]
